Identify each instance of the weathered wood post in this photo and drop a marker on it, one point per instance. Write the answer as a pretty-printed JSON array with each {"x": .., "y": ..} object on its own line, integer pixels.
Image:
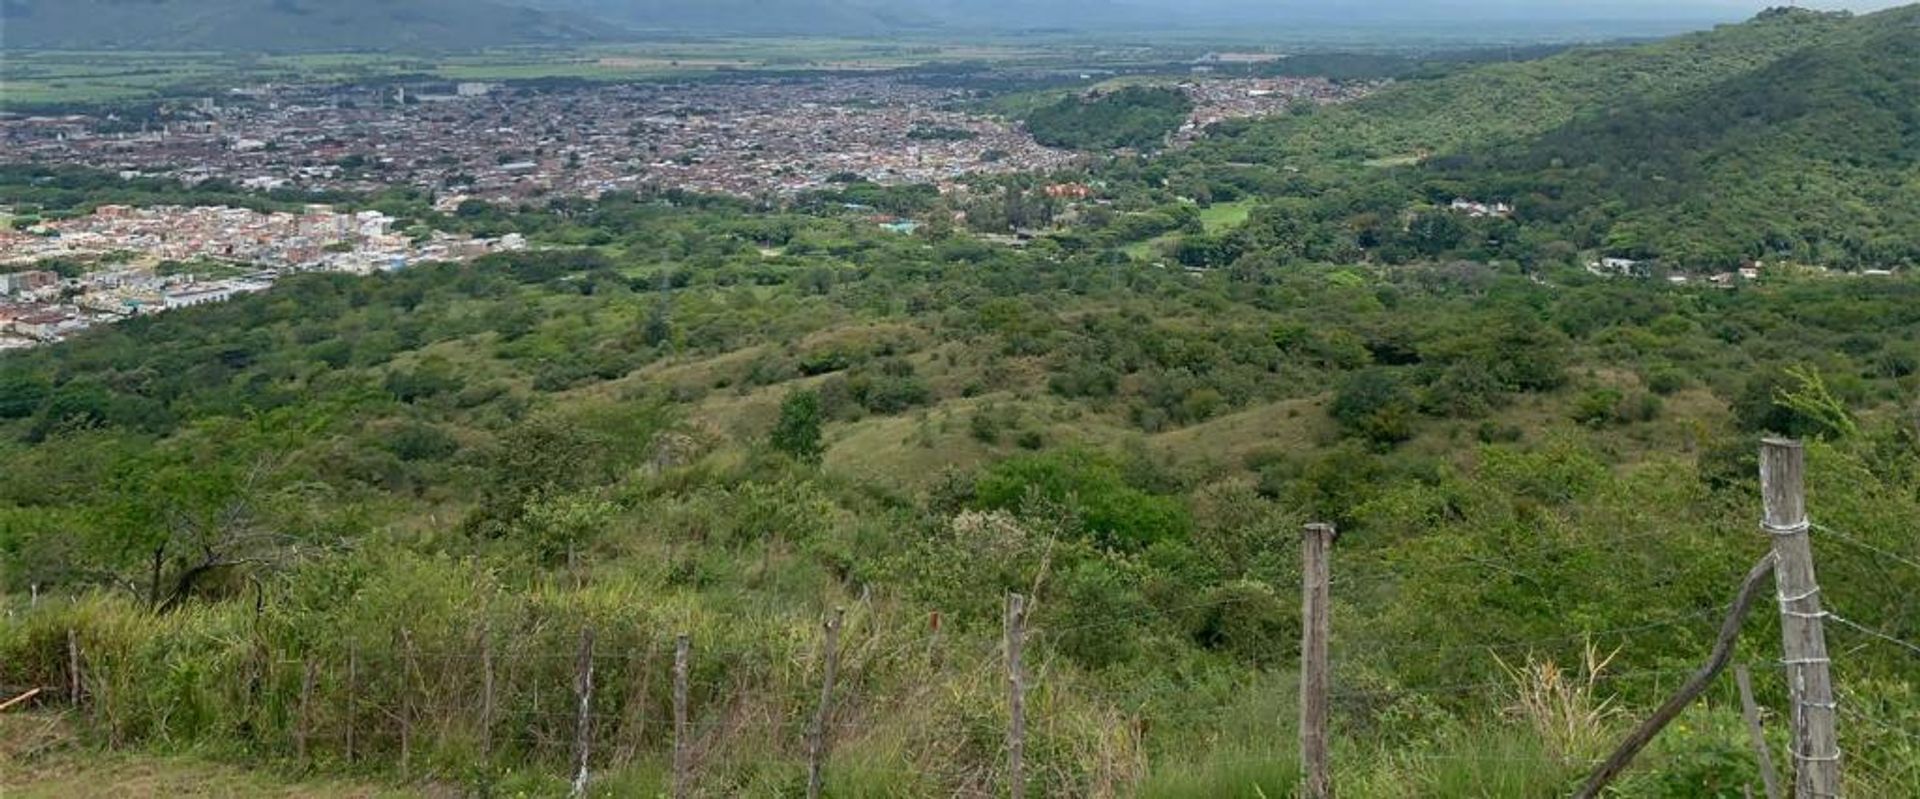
[
  {"x": 406, "y": 701},
  {"x": 681, "y": 786},
  {"x": 817, "y": 734},
  {"x": 1815, "y": 747},
  {"x": 1016, "y": 697},
  {"x": 74, "y": 682},
  {"x": 486, "y": 688},
  {"x": 1315, "y": 629},
  {"x": 583, "y": 690},
  {"x": 309, "y": 672},
  {"x": 353, "y": 696},
  {"x": 1750, "y": 710}
]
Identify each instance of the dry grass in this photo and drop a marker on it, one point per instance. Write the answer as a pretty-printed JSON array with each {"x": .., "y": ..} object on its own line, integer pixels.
[{"x": 1564, "y": 707}]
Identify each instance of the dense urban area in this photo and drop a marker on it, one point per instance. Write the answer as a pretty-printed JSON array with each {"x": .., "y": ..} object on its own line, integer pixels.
[
  {"x": 753, "y": 138},
  {"x": 474, "y": 141}
]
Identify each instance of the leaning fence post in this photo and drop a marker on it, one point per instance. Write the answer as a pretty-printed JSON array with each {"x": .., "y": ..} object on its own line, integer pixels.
[
  {"x": 817, "y": 736},
  {"x": 1016, "y": 697},
  {"x": 583, "y": 687},
  {"x": 1815, "y": 748},
  {"x": 680, "y": 743},
  {"x": 1315, "y": 629}
]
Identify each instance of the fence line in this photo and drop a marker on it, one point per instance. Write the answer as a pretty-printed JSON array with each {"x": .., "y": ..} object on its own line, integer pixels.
[
  {"x": 1858, "y": 627},
  {"x": 1863, "y": 545},
  {"x": 420, "y": 705}
]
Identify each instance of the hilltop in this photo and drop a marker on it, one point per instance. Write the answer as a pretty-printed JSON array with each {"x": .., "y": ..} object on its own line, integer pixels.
[{"x": 281, "y": 25}]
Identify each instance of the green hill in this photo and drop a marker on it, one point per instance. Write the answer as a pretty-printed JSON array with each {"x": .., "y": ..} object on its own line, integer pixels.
[
  {"x": 1500, "y": 104},
  {"x": 1789, "y": 137},
  {"x": 279, "y": 25},
  {"x": 1813, "y": 157}
]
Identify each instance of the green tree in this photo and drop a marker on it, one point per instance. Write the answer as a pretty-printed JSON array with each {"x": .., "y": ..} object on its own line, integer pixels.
[{"x": 798, "y": 431}]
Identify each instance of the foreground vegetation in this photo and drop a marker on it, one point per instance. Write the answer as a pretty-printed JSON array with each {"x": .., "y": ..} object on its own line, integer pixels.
[
  {"x": 695, "y": 416},
  {"x": 724, "y": 425}
]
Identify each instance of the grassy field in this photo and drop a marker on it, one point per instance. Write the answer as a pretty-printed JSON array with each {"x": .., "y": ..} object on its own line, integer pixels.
[
  {"x": 1215, "y": 218},
  {"x": 42, "y": 78}
]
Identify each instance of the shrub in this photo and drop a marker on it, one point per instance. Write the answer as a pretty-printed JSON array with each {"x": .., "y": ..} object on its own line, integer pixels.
[
  {"x": 797, "y": 433},
  {"x": 1114, "y": 513},
  {"x": 1374, "y": 405}
]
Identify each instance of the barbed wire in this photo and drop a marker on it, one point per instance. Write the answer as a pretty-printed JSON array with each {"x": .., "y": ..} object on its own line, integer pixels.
[
  {"x": 1863, "y": 545},
  {"x": 1858, "y": 627},
  {"x": 1565, "y": 547}
]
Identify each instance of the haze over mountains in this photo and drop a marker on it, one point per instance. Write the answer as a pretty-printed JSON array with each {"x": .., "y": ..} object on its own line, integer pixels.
[
  {"x": 311, "y": 25},
  {"x": 281, "y": 25}
]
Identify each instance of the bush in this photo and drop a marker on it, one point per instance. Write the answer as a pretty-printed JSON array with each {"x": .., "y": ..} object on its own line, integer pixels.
[
  {"x": 1090, "y": 485},
  {"x": 797, "y": 433},
  {"x": 1374, "y": 405}
]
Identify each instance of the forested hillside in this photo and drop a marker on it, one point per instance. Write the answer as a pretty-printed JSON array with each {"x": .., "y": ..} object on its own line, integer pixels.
[
  {"x": 725, "y": 423},
  {"x": 1136, "y": 117},
  {"x": 1815, "y": 157},
  {"x": 1789, "y": 138}
]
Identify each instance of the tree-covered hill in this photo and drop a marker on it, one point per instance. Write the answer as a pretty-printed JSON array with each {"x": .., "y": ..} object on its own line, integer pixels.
[
  {"x": 1138, "y": 117},
  {"x": 1501, "y": 104},
  {"x": 1814, "y": 157},
  {"x": 1787, "y": 138},
  {"x": 281, "y": 25}
]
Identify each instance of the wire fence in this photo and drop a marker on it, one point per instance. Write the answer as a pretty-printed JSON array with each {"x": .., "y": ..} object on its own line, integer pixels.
[{"x": 390, "y": 703}]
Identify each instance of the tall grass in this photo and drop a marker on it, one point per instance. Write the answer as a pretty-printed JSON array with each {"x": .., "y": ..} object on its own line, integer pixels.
[{"x": 912, "y": 715}]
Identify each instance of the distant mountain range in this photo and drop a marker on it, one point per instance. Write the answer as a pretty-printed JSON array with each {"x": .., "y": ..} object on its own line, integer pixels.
[
  {"x": 882, "y": 16},
  {"x": 282, "y": 25},
  {"x": 314, "y": 25}
]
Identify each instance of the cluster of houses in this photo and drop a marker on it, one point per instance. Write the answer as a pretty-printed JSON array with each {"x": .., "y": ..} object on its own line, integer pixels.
[
  {"x": 133, "y": 261},
  {"x": 1478, "y": 210}
]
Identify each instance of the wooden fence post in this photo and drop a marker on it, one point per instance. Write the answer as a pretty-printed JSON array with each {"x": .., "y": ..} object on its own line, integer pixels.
[
  {"x": 406, "y": 701},
  {"x": 1751, "y": 712},
  {"x": 1315, "y": 629},
  {"x": 309, "y": 671},
  {"x": 74, "y": 682},
  {"x": 1815, "y": 744},
  {"x": 817, "y": 736},
  {"x": 680, "y": 743},
  {"x": 583, "y": 688},
  {"x": 486, "y": 688},
  {"x": 933, "y": 640},
  {"x": 1016, "y": 697},
  {"x": 353, "y": 696}
]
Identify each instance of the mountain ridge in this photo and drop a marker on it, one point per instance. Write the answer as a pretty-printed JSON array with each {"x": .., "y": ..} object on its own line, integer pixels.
[{"x": 282, "y": 25}]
